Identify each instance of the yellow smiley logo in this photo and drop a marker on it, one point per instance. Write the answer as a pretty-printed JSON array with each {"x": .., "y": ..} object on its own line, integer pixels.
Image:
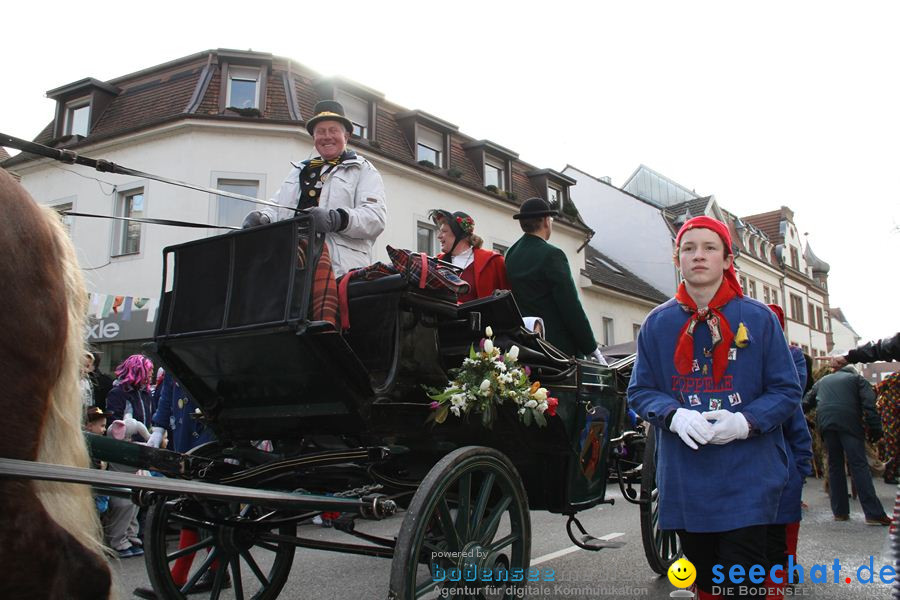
[{"x": 682, "y": 573}]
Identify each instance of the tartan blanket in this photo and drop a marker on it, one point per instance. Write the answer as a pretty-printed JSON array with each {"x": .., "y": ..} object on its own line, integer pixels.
[
  {"x": 323, "y": 302},
  {"x": 426, "y": 271}
]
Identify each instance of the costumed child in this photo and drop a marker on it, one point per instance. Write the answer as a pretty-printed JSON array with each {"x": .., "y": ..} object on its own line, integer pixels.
[{"x": 715, "y": 378}]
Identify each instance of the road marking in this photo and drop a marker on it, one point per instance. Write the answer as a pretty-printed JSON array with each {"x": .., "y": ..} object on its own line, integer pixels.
[{"x": 570, "y": 550}]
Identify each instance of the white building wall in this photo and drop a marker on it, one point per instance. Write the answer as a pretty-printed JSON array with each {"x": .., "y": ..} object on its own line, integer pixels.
[
  {"x": 626, "y": 312},
  {"x": 844, "y": 338},
  {"x": 630, "y": 231}
]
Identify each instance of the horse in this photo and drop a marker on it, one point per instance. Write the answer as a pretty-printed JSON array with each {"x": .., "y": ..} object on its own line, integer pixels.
[{"x": 50, "y": 537}]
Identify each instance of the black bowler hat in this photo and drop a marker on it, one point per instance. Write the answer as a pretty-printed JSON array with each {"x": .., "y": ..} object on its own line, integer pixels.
[
  {"x": 534, "y": 208},
  {"x": 329, "y": 110}
]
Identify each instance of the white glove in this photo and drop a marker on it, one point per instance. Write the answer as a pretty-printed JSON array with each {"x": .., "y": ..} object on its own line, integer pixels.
[
  {"x": 156, "y": 437},
  {"x": 596, "y": 356},
  {"x": 133, "y": 426},
  {"x": 729, "y": 426},
  {"x": 691, "y": 427}
]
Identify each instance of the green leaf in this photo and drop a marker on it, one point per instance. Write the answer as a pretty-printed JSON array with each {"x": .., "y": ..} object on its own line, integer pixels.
[
  {"x": 526, "y": 417},
  {"x": 440, "y": 414},
  {"x": 472, "y": 353},
  {"x": 487, "y": 417},
  {"x": 539, "y": 419}
]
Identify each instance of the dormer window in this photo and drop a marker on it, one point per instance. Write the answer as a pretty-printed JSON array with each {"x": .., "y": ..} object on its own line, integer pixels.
[
  {"x": 78, "y": 117},
  {"x": 555, "y": 195},
  {"x": 243, "y": 87},
  {"x": 357, "y": 110},
  {"x": 495, "y": 172},
  {"x": 430, "y": 146}
]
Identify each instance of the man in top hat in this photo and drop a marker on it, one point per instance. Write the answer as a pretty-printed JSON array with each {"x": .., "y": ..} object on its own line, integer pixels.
[
  {"x": 715, "y": 378},
  {"x": 542, "y": 283},
  {"x": 484, "y": 270},
  {"x": 340, "y": 189}
]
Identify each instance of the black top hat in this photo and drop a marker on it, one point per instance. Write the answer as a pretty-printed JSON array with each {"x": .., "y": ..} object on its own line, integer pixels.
[
  {"x": 94, "y": 413},
  {"x": 329, "y": 110},
  {"x": 534, "y": 208}
]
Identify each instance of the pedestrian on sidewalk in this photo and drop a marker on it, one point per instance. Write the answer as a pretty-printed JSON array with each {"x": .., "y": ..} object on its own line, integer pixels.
[{"x": 843, "y": 401}]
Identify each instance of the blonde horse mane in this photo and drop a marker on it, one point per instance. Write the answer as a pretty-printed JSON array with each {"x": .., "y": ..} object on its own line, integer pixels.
[{"x": 62, "y": 440}]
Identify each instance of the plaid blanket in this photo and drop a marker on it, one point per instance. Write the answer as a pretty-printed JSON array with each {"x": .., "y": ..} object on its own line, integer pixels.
[
  {"x": 425, "y": 271},
  {"x": 323, "y": 302}
]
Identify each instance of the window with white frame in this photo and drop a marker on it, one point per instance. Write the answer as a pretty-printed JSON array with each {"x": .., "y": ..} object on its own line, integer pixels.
[
  {"x": 243, "y": 87},
  {"x": 426, "y": 238},
  {"x": 127, "y": 237},
  {"x": 767, "y": 297},
  {"x": 78, "y": 115},
  {"x": 494, "y": 172},
  {"x": 774, "y": 296},
  {"x": 430, "y": 146},
  {"x": 608, "y": 339},
  {"x": 752, "y": 290},
  {"x": 231, "y": 211},
  {"x": 555, "y": 196},
  {"x": 357, "y": 110},
  {"x": 61, "y": 210}
]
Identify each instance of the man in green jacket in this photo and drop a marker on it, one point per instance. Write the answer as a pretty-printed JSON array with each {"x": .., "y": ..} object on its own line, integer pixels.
[{"x": 542, "y": 284}]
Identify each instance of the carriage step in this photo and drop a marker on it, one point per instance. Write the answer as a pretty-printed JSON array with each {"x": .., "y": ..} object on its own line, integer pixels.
[{"x": 586, "y": 541}]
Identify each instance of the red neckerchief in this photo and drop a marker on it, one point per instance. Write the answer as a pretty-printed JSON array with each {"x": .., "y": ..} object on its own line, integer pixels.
[{"x": 719, "y": 329}]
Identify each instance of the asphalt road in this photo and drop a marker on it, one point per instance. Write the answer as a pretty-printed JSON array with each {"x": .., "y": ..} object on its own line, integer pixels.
[{"x": 618, "y": 573}]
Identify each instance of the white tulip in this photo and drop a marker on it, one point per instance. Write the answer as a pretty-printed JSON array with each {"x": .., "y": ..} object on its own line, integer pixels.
[
  {"x": 530, "y": 404},
  {"x": 540, "y": 395},
  {"x": 513, "y": 353},
  {"x": 485, "y": 385},
  {"x": 542, "y": 407},
  {"x": 488, "y": 345},
  {"x": 488, "y": 332}
]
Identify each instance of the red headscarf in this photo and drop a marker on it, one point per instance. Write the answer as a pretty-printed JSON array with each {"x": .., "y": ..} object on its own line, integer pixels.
[{"x": 719, "y": 328}]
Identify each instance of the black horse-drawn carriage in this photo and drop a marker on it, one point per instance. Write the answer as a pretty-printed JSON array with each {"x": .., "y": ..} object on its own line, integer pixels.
[{"x": 344, "y": 420}]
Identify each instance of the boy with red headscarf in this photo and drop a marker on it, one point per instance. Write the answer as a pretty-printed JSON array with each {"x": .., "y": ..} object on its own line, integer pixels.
[{"x": 715, "y": 378}]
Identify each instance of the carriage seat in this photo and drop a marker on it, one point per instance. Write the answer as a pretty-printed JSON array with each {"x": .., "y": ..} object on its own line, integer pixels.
[
  {"x": 373, "y": 306},
  {"x": 362, "y": 287}
]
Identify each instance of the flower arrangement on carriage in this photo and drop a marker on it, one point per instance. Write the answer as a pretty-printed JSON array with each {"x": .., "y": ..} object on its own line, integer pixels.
[{"x": 487, "y": 379}]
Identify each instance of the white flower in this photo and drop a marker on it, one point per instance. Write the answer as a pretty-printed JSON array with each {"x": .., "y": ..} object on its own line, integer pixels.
[
  {"x": 455, "y": 410},
  {"x": 500, "y": 366},
  {"x": 540, "y": 395},
  {"x": 513, "y": 353},
  {"x": 488, "y": 345},
  {"x": 458, "y": 399},
  {"x": 521, "y": 411},
  {"x": 530, "y": 404},
  {"x": 485, "y": 386},
  {"x": 488, "y": 332},
  {"x": 542, "y": 407}
]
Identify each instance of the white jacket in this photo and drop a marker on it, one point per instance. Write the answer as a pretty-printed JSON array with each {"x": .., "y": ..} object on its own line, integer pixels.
[{"x": 353, "y": 185}]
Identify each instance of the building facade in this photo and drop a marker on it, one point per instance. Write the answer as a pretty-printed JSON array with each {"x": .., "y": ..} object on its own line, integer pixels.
[{"x": 234, "y": 121}]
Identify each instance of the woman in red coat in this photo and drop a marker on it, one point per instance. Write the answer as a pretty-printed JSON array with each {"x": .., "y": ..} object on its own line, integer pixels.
[{"x": 484, "y": 270}]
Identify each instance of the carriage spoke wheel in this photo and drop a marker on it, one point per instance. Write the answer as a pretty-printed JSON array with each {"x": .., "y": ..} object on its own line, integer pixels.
[
  {"x": 469, "y": 514},
  {"x": 230, "y": 547},
  {"x": 661, "y": 548}
]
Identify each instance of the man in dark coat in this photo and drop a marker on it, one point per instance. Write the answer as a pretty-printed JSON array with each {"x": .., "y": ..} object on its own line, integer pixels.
[
  {"x": 843, "y": 400},
  {"x": 883, "y": 349},
  {"x": 542, "y": 283}
]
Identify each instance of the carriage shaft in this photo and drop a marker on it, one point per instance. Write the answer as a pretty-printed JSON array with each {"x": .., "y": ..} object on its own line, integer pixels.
[{"x": 369, "y": 507}]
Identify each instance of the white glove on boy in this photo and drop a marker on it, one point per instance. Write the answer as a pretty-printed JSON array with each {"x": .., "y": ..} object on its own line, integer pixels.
[
  {"x": 691, "y": 427},
  {"x": 729, "y": 426}
]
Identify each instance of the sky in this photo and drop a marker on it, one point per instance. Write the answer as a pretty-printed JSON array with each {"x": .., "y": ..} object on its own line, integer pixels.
[{"x": 761, "y": 104}]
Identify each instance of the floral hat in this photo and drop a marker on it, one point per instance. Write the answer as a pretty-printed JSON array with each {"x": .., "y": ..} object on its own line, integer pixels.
[{"x": 461, "y": 224}]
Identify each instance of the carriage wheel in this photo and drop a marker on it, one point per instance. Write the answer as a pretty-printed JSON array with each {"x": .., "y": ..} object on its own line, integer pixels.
[
  {"x": 233, "y": 555},
  {"x": 661, "y": 548},
  {"x": 471, "y": 503}
]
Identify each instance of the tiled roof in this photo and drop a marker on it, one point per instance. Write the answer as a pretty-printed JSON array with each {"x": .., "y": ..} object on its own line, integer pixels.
[
  {"x": 769, "y": 223},
  {"x": 182, "y": 89},
  {"x": 3, "y": 154},
  {"x": 604, "y": 271}
]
